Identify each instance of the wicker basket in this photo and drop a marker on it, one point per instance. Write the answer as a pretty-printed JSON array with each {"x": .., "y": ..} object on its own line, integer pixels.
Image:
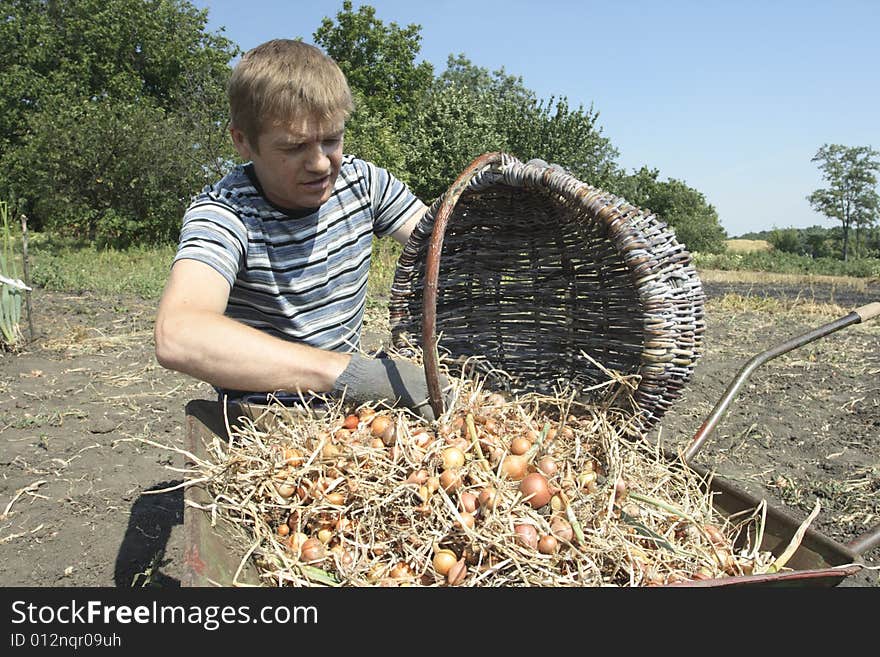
[{"x": 548, "y": 280}]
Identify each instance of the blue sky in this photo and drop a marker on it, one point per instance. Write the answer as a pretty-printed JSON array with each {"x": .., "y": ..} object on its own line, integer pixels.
[{"x": 734, "y": 98}]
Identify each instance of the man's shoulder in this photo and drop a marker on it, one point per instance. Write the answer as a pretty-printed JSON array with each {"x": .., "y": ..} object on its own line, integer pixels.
[
  {"x": 233, "y": 185},
  {"x": 234, "y": 189},
  {"x": 353, "y": 166},
  {"x": 356, "y": 170}
]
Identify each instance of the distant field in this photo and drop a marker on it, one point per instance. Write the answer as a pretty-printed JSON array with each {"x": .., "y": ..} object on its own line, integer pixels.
[
  {"x": 767, "y": 278},
  {"x": 748, "y": 246}
]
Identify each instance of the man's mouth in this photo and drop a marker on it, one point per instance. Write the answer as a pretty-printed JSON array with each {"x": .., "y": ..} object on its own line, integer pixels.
[{"x": 317, "y": 185}]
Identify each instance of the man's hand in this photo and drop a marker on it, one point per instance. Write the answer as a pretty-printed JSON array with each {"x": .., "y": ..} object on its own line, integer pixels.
[{"x": 392, "y": 380}]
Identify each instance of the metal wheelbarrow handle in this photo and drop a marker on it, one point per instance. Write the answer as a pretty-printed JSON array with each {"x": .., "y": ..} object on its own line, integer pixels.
[{"x": 859, "y": 545}]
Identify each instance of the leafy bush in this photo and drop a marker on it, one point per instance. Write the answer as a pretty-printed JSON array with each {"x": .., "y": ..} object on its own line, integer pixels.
[
  {"x": 116, "y": 172},
  {"x": 685, "y": 209}
]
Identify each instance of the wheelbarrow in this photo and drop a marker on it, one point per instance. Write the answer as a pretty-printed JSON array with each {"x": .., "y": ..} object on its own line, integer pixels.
[
  {"x": 214, "y": 558},
  {"x": 819, "y": 560}
]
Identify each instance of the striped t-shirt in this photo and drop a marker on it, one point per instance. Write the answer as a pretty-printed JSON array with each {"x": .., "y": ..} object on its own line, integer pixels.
[{"x": 300, "y": 276}]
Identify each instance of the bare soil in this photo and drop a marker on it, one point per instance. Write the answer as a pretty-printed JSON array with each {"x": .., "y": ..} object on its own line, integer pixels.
[{"x": 78, "y": 505}]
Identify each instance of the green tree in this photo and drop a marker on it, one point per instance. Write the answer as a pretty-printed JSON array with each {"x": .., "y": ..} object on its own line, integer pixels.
[
  {"x": 449, "y": 129},
  {"x": 378, "y": 60},
  {"x": 787, "y": 240},
  {"x": 529, "y": 127},
  {"x": 694, "y": 220},
  {"x": 463, "y": 73},
  {"x": 130, "y": 185},
  {"x": 818, "y": 242},
  {"x": 83, "y": 83},
  {"x": 851, "y": 196}
]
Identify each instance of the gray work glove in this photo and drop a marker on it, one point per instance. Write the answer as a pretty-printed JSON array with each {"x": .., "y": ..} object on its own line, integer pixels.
[
  {"x": 397, "y": 382},
  {"x": 538, "y": 162}
]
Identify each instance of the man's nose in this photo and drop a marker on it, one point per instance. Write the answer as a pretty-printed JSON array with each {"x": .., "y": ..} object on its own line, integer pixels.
[{"x": 316, "y": 159}]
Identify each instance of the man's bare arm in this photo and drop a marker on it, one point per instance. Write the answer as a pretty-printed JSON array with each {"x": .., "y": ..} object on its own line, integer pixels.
[
  {"x": 402, "y": 234},
  {"x": 194, "y": 337}
]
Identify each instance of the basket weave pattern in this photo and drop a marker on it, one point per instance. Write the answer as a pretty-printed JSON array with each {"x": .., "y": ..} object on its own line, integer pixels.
[{"x": 539, "y": 270}]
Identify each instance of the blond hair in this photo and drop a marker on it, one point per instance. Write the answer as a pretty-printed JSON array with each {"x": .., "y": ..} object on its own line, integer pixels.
[{"x": 284, "y": 80}]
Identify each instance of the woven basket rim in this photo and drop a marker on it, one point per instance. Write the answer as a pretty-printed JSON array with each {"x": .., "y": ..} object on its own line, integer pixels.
[{"x": 635, "y": 234}]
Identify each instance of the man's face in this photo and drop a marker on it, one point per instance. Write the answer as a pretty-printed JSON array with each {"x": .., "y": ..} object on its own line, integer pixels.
[{"x": 297, "y": 163}]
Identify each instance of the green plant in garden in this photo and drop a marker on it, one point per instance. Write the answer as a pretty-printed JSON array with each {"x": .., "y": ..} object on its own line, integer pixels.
[{"x": 10, "y": 293}]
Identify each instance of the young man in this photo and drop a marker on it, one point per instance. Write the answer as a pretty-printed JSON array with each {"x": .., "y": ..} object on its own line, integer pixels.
[{"x": 268, "y": 287}]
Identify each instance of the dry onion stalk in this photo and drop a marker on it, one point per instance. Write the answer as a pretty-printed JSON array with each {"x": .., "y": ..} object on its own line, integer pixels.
[{"x": 376, "y": 496}]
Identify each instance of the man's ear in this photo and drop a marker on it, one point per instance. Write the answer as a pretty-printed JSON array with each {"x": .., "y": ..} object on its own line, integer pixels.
[{"x": 241, "y": 143}]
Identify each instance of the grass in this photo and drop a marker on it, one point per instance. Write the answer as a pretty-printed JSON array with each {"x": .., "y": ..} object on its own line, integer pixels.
[
  {"x": 66, "y": 266},
  {"x": 74, "y": 267},
  {"x": 763, "y": 278},
  {"x": 788, "y": 263},
  {"x": 733, "y": 303}
]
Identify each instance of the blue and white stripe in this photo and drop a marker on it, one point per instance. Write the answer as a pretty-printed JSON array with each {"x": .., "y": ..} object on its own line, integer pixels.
[{"x": 300, "y": 278}]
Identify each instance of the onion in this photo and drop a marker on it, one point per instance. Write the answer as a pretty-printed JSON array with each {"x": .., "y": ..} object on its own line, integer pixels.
[
  {"x": 488, "y": 498},
  {"x": 514, "y": 466},
  {"x": 519, "y": 445},
  {"x": 561, "y": 529},
  {"x": 422, "y": 438},
  {"x": 296, "y": 540},
  {"x": 526, "y": 535},
  {"x": 547, "y": 544},
  {"x": 586, "y": 478},
  {"x": 467, "y": 520},
  {"x": 450, "y": 480},
  {"x": 312, "y": 550},
  {"x": 469, "y": 502},
  {"x": 491, "y": 426},
  {"x": 293, "y": 457},
  {"x": 452, "y": 457},
  {"x": 329, "y": 451},
  {"x": 285, "y": 490},
  {"x": 351, "y": 422},
  {"x": 443, "y": 561},
  {"x": 389, "y": 436},
  {"x": 548, "y": 466},
  {"x": 715, "y": 535},
  {"x": 457, "y": 573},
  {"x": 417, "y": 477},
  {"x": 535, "y": 489},
  {"x": 380, "y": 425},
  {"x": 401, "y": 570},
  {"x": 336, "y": 497}
]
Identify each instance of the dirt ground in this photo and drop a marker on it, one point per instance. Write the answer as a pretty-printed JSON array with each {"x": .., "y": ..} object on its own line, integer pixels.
[{"x": 75, "y": 481}]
